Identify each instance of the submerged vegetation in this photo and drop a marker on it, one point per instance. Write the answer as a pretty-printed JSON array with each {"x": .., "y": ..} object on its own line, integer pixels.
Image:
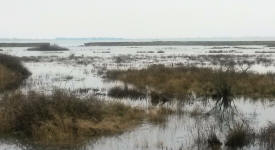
[
  {"x": 182, "y": 81},
  {"x": 12, "y": 72}
]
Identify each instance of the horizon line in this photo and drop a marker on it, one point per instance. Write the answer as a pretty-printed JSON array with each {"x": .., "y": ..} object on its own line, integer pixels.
[{"x": 124, "y": 38}]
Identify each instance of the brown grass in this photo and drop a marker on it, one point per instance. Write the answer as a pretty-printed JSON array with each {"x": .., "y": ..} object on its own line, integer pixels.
[
  {"x": 182, "y": 81},
  {"x": 62, "y": 118},
  {"x": 159, "y": 115},
  {"x": 12, "y": 72},
  {"x": 6, "y": 77},
  {"x": 119, "y": 92}
]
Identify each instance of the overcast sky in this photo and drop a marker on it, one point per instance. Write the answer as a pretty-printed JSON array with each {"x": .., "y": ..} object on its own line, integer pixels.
[{"x": 136, "y": 18}]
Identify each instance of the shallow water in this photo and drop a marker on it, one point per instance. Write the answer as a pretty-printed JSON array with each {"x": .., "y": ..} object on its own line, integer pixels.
[{"x": 84, "y": 67}]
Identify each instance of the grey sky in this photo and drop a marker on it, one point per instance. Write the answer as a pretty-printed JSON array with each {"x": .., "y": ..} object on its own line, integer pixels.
[{"x": 136, "y": 18}]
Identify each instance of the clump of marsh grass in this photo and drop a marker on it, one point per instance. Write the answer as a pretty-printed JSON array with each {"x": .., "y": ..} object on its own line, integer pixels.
[
  {"x": 12, "y": 72},
  {"x": 159, "y": 115},
  {"x": 182, "y": 81},
  {"x": 159, "y": 98},
  {"x": 62, "y": 117},
  {"x": 14, "y": 64},
  {"x": 122, "y": 59},
  {"x": 119, "y": 92},
  {"x": 222, "y": 91},
  {"x": 206, "y": 138},
  {"x": 239, "y": 136},
  {"x": 213, "y": 141},
  {"x": 267, "y": 136}
]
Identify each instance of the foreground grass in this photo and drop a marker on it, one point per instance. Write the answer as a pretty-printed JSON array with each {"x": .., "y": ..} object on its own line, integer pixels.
[
  {"x": 180, "y": 82},
  {"x": 267, "y": 136},
  {"x": 12, "y": 72},
  {"x": 62, "y": 118},
  {"x": 239, "y": 136}
]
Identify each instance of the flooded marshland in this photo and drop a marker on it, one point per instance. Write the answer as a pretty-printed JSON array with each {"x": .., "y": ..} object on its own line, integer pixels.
[{"x": 82, "y": 70}]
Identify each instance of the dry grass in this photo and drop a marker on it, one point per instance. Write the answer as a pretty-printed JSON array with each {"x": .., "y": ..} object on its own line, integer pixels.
[
  {"x": 63, "y": 118},
  {"x": 119, "y": 92},
  {"x": 12, "y": 72},
  {"x": 14, "y": 64},
  {"x": 6, "y": 77},
  {"x": 159, "y": 115},
  {"x": 182, "y": 81}
]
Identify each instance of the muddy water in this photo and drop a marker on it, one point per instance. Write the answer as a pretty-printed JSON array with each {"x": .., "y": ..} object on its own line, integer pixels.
[{"x": 82, "y": 69}]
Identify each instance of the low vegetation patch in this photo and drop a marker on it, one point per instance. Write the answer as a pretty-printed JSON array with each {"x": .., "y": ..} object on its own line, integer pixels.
[
  {"x": 159, "y": 115},
  {"x": 62, "y": 118},
  {"x": 213, "y": 141},
  {"x": 182, "y": 81},
  {"x": 119, "y": 92},
  {"x": 12, "y": 72},
  {"x": 48, "y": 48},
  {"x": 239, "y": 136},
  {"x": 267, "y": 136},
  {"x": 264, "y": 51},
  {"x": 222, "y": 51}
]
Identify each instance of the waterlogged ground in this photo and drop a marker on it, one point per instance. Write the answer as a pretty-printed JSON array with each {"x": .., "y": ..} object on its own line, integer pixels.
[{"x": 81, "y": 70}]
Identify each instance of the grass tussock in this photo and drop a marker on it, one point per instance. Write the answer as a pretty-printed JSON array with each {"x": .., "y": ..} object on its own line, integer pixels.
[
  {"x": 213, "y": 141},
  {"x": 267, "y": 136},
  {"x": 159, "y": 115},
  {"x": 182, "y": 81},
  {"x": 119, "y": 92},
  {"x": 239, "y": 136},
  {"x": 63, "y": 118},
  {"x": 12, "y": 72}
]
